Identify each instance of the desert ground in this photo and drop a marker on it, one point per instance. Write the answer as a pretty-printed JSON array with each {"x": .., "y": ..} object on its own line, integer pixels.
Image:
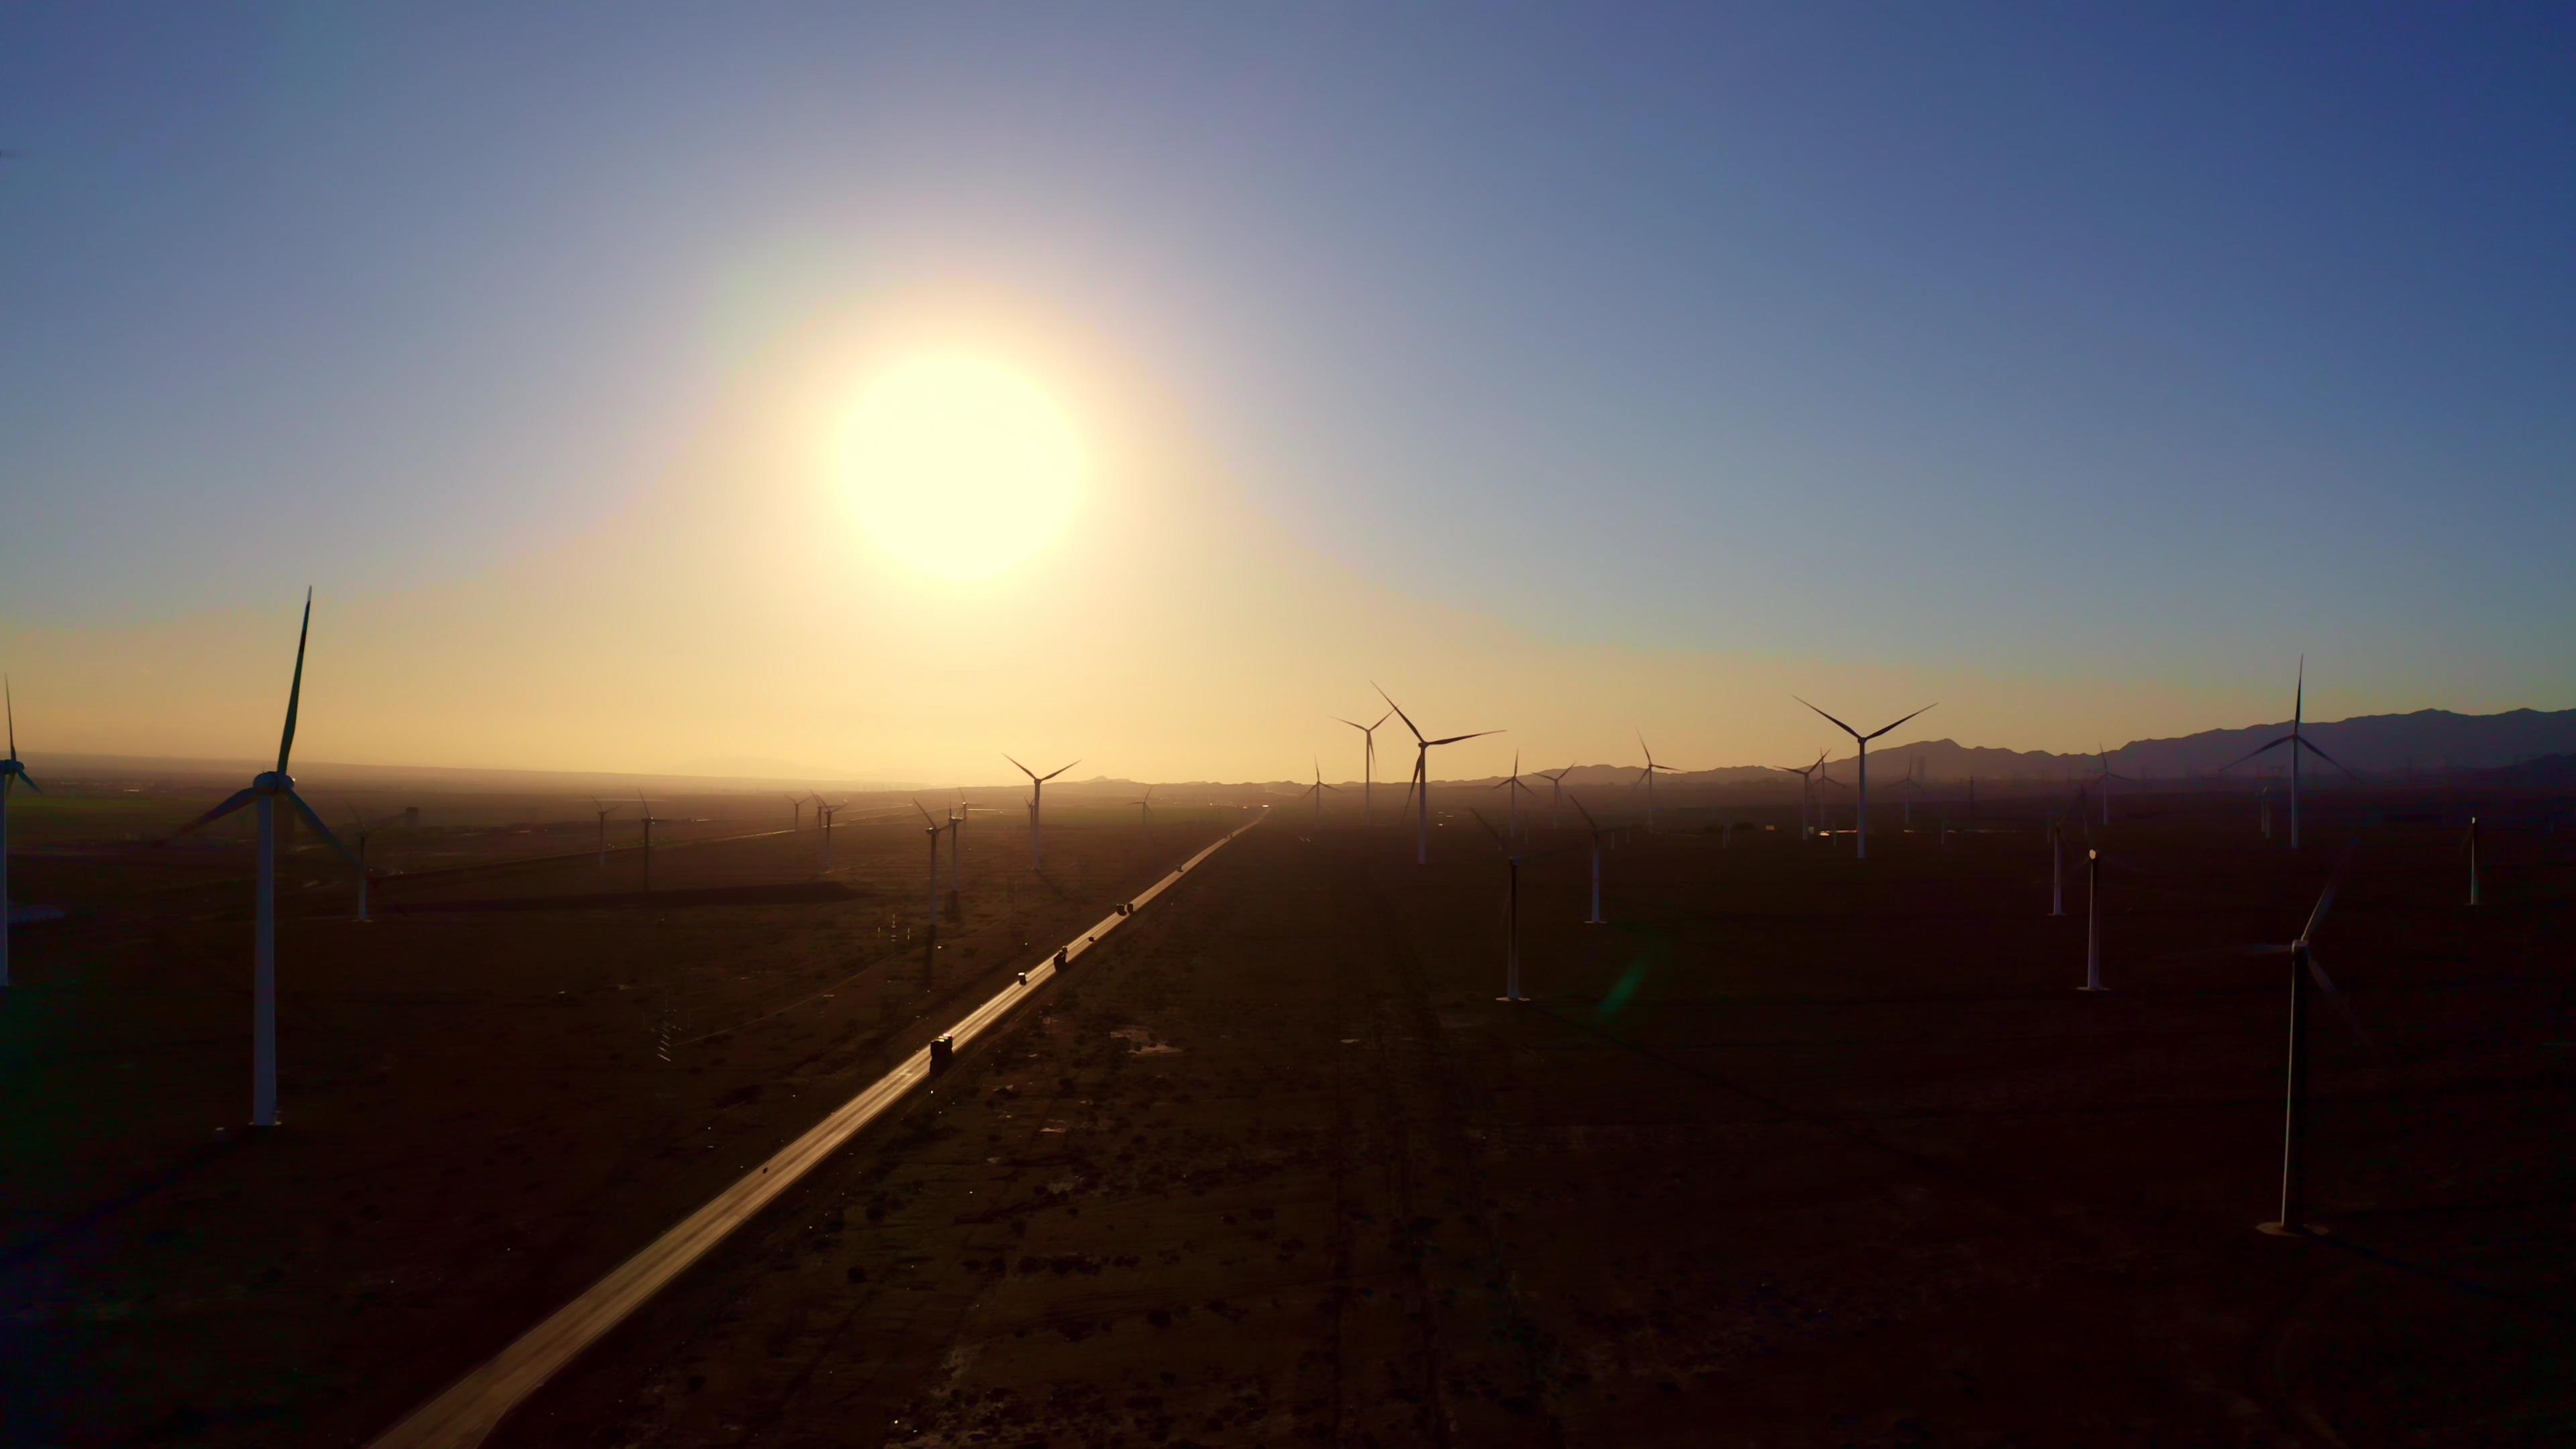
[
  {"x": 1795, "y": 1150},
  {"x": 522, "y": 1069}
]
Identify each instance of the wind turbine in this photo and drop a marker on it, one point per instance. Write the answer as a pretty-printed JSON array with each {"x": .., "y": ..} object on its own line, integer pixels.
[
  {"x": 364, "y": 830},
  {"x": 1555, "y": 791},
  {"x": 265, "y": 791},
  {"x": 648, "y": 821},
  {"x": 1646, "y": 777},
  {"x": 1806, "y": 786},
  {"x": 823, "y": 814},
  {"x": 12, "y": 773},
  {"x": 1317, "y": 790},
  {"x": 1864, "y": 740},
  {"x": 2092, "y": 922},
  {"x": 796, "y": 805},
  {"x": 2106, "y": 777},
  {"x": 1597, "y": 919},
  {"x": 930, "y": 906},
  {"x": 1037, "y": 792},
  {"x": 1368, "y": 764},
  {"x": 604, "y": 810},
  {"x": 2471, "y": 843},
  {"x": 2296, "y": 739},
  {"x": 1913, "y": 787},
  {"x": 1422, "y": 749},
  {"x": 1511, "y": 915},
  {"x": 1511, "y": 783},
  {"x": 1144, "y": 808},
  {"x": 2056, "y": 867},
  {"x": 2304, "y": 968}
]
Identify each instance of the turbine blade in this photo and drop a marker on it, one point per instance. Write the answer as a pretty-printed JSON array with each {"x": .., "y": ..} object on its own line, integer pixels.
[
  {"x": 232, "y": 802},
  {"x": 1025, "y": 770},
  {"x": 1579, "y": 810},
  {"x": 1936, "y": 704},
  {"x": 1453, "y": 739},
  {"x": 925, "y": 815},
  {"x": 314, "y": 819},
  {"x": 2249, "y": 754},
  {"x": 1838, "y": 724},
  {"x": 1381, "y": 719},
  {"x": 1490, "y": 830},
  {"x": 1067, "y": 765},
  {"x": 295, "y": 691},
  {"x": 29, "y": 780},
  {"x": 1399, "y": 709},
  {"x": 2299, "y": 701},
  {"x": 2342, "y": 1003},
  {"x": 2311, "y": 746},
  {"x": 11, "y": 698}
]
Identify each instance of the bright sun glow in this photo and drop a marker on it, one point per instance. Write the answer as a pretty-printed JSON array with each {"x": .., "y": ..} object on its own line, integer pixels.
[{"x": 960, "y": 468}]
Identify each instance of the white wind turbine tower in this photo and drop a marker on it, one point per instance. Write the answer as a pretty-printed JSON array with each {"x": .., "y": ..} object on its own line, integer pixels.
[
  {"x": 1317, "y": 790},
  {"x": 265, "y": 791},
  {"x": 1368, "y": 765},
  {"x": 1864, "y": 739},
  {"x": 931, "y": 828},
  {"x": 12, "y": 773},
  {"x": 1913, "y": 787},
  {"x": 1422, "y": 749},
  {"x": 2297, "y": 740},
  {"x": 1144, "y": 809},
  {"x": 1646, "y": 777},
  {"x": 1037, "y": 793},
  {"x": 2304, "y": 968},
  {"x": 1806, "y": 787},
  {"x": 1597, "y": 919},
  {"x": 604, "y": 810}
]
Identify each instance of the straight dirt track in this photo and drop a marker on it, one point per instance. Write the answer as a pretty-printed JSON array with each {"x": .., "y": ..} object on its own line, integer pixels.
[{"x": 1785, "y": 1155}]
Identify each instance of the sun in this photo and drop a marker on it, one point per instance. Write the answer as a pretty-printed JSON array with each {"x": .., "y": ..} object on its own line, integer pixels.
[{"x": 959, "y": 467}]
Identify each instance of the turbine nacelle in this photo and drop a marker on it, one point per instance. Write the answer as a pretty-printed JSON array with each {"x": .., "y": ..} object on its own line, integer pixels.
[{"x": 273, "y": 782}]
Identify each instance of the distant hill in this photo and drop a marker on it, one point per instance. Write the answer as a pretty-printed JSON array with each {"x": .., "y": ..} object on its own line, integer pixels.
[{"x": 2518, "y": 742}]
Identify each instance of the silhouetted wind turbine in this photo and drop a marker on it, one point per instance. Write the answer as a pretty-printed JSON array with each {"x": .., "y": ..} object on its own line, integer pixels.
[
  {"x": 2471, "y": 843},
  {"x": 1037, "y": 794},
  {"x": 604, "y": 810},
  {"x": 1422, "y": 749},
  {"x": 1555, "y": 791},
  {"x": 2106, "y": 777},
  {"x": 1597, "y": 919},
  {"x": 796, "y": 809},
  {"x": 1864, "y": 739},
  {"x": 931, "y": 829},
  {"x": 1806, "y": 786},
  {"x": 12, "y": 774},
  {"x": 1646, "y": 777},
  {"x": 1368, "y": 765},
  {"x": 1144, "y": 808},
  {"x": 2297, "y": 740},
  {"x": 1511, "y": 914},
  {"x": 265, "y": 791},
  {"x": 1511, "y": 783},
  {"x": 1317, "y": 790},
  {"x": 364, "y": 830},
  {"x": 2092, "y": 922},
  {"x": 648, "y": 821}
]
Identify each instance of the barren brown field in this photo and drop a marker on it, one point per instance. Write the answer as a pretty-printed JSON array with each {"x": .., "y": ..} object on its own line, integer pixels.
[
  {"x": 1795, "y": 1151},
  {"x": 516, "y": 1075}
]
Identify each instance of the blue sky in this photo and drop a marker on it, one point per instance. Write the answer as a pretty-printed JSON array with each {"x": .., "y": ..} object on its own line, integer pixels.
[{"x": 2055, "y": 340}]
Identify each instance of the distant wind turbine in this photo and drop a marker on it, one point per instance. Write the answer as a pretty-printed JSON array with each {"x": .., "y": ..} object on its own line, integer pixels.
[
  {"x": 1646, "y": 777},
  {"x": 931, "y": 828},
  {"x": 648, "y": 821},
  {"x": 12, "y": 774},
  {"x": 2304, "y": 968},
  {"x": 1144, "y": 808},
  {"x": 1555, "y": 791},
  {"x": 796, "y": 807},
  {"x": 363, "y": 831},
  {"x": 1514, "y": 789},
  {"x": 1864, "y": 739},
  {"x": 1806, "y": 786},
  {"x": 2297, "y": 740},
  {"x": 265, "y": 791},
  {"x": 1037, "y": 794},
  {"x": 604, "y": 810},
  {"x": 2105, "y": 776},
  {"x": 1596, "y": 919},
  {"x": 1317, "y": 790},
  {"x": 1422, "y": 749},
  {"x": 1368, "y": 765},
  {"x": 1511, "y": 914}
]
